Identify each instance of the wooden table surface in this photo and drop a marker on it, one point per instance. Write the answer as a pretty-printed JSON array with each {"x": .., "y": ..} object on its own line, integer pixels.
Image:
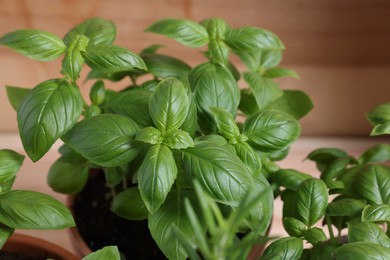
[{"x": 33, "y": 175}]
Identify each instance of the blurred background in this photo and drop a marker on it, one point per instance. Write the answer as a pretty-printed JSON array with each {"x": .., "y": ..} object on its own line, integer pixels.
[{"x": 340, "y": 49}]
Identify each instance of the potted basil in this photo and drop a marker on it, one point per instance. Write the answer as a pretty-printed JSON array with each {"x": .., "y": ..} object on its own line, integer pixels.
[
  {"x": 22, "y": 209},
  {"x": 356, "y": 218},
  {"x": 175, "y": 124}
]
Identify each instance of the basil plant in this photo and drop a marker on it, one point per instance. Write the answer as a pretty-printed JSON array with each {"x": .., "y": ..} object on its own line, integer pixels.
[
  {"x": 356, "y": 218},
  {"x": 172, "y": 125},
  {"x": 23, "y": 209}
]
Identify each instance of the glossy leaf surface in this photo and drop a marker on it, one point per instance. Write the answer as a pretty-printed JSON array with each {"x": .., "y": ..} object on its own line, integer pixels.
[
  {"x": 48, "y": 112},
  {"x": 16, "y": 96},
  {"x": 373, "y": 183},
  {"x": 362, "y": 251},
  {"x": 129, "y": 205}
]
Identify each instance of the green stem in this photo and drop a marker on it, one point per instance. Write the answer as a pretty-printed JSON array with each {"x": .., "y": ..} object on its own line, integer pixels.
[{"x": 329, "y": 224}]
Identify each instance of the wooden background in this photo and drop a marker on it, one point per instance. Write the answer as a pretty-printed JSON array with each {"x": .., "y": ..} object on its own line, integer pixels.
[{"x": 341, "y": 49}]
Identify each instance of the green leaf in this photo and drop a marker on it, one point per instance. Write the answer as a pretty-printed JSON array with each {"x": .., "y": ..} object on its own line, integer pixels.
[
  {"x": 312, "y": 200},
  {"x": 97, "y": 92},
  {"x": 111, "y": 59},
  {"x": 33, "y": 210},
  {"x": 214, "y": 86},
  {"x": 172, "y": 212},
  {"x": 315, "y": 235},
  {"x": 289, "y": 198},
  {"x": 278, "y": 72},
  {"x": 362, "y": 251},
  {"x": 367, "y": 232},
  {"x": 98, "y": 31},
  {"x": 110, "y": 146},
  {"x": 5, "y": 234},
  {"x": 108, "y": 252},
  {"x": 248, "y": 104},
  {"x": 163, "y": 66},
  {"x": 220, "y": 172},
  {"x": 150, "y": 135},
  {"x": 115, "y": 175},
  {"x": 10, "y": 163},
  {"x": 381, "y": 129},
  {"x": 178, "y": 139},
  {"x": 156, "y": 176},
  {"x": 376, "y": 213},
  {"x": 169, "y": 105},
  {"x": 377, "y": 153},
  {"x": 184, "y": 31},
  {"x": 252, "y": 38},
  {"x": 48, "y": 112},
  {"x": 294, "y": 227},
  {"x": 294, "y": 102},
  {"x": 270, "y": 131},
  {"x": 16, "y": 96},
  {"x": 265, "y": 90},
  {"x": 335, "y": 169},
  {"x": 289, "y": 178},
  {"x": 218, "y": 52},
  {"x": 289, "y": 248},
  {"x": 259, "y": 60},
  {"x": 132, "y": 103},
  {"x": 345, "y": 207},
  {"x": 323, "y": 156},
  {"x": 34, "y": 44},
  {"x": 73, "y": 60},
  {"x": 68, "y": 177},
  {"x": 373, "y": 184},
  {"x": 226, "y": 124},
  {"x": 128, "y": 204},
  {"x": 249, "y": 156},
  {"x": 380, "y": 114}
]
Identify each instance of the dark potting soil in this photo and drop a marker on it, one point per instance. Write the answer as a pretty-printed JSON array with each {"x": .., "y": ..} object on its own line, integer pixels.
[{"x": 100, "y": 227}]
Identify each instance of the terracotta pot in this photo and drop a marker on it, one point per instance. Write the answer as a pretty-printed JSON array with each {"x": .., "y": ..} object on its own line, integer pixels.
[{"x": 36, "y": 248}]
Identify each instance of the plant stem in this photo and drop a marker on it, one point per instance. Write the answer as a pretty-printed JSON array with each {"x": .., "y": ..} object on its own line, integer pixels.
[{"x": 329, "y": 224}]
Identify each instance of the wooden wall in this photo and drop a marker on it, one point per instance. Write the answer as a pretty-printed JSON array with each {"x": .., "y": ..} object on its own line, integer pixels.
[{"x": 341, "y": 49}]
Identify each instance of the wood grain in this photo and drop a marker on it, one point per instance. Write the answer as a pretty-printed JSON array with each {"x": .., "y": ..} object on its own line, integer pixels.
[{"x": 339, "y": 48}]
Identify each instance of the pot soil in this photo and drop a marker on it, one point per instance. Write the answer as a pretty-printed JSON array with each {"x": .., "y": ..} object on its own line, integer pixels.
[
  {"x": 97, "y": 226},
  {"x": 23, "y": 247}
]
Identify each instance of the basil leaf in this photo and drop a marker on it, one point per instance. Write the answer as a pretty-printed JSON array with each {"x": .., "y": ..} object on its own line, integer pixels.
[
  {"x": 264, "y": 90},
  {"x": 97, "y": 93},
  {"x": 172, "y": 213},
  {"x": 163, "y": 66},
  {"x": 178, "y": 139},
  {"x": 376, "y": 213},
  {"x": 252, "y": 38},
  {"x": 218, "y": 52},
  {"x": 214, "y": 86},
  {"x": 16, "y": 96},
  {"x": 68, "y": 177},
  {"x": 110, "y": 146},
  {"x": 248, "y": 104},
  {"x": 249, "y": 156},
  {"x": 220, "y": 172},
  {"x": 278, "y": 72},
  {"x": 150, "y": 135},
  {"x": 169, "y": 105},
  {"x": 132, "y": 103},
  {"x": 107, "y": 252},
  {"x": 335, "y": 169},
  {"x": 373, "y": 184},
  {"x": 97, "y": 30},
  {"x": 184, "y": 31},
  {"x": 289, "y": 178},
  {"x": 323, "y": 156},
  {"x": 190, "y": 125},
  {"x": 294, "y": 102},
  {"x": 112, "y": 59},
  {"x": 115, "y": 175},
  {"x": 156, "y": 176},
  {"x": 294, "y": 227},
  {"x": 361, "y": 251},
  {"x": 34, "y": 44},
  {"x": 257, "y": 60},
  {"x": 367, "y": 232},
  {"x": 73, "y": 60},
  {"x": 5, "y": 234},
  {"x": 225, "y": 123},
  {"x": 128, "y": 204},
  {"x": 215, "y": 27},
  {"x": 381, "y": 129},
  {"x": 315, "y": 235},
  {"x": 345, "y": 207},
  {"x": 10, "y": 163},
  {"x": 377, "y": 153},
  {"x": 380, "y": 114},
  {"x": 270, "y": 131},
  {"x": 47, "y": 112},
  {"x": 312, "y": 200},
  {"x": 33, "y": 210},
  {"x": 289, "y": 248},
  {"x": 289, "y": 198}
]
